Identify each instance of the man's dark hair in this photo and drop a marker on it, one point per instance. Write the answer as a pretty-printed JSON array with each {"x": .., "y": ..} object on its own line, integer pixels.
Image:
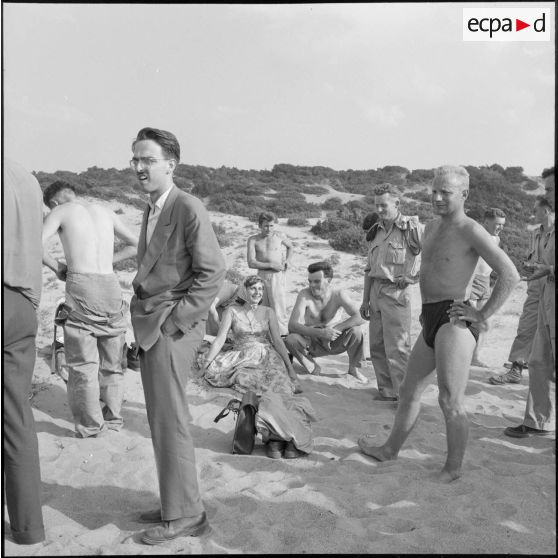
[
  {"x": 493, "y": 213},
  {"x": 54, "y": 188},
  {"x": 167, "y": 140},
  {"x": 321, "y": 266},
  {"x": 547, "y": 172},
  {"x": 266, "y": 217},
  {"x": 387, "y": 188},
  {"x": 543, "y": 202}
]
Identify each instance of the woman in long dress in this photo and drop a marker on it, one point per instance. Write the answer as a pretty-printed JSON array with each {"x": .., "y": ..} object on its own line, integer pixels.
[{"x": 259, "y": 360}]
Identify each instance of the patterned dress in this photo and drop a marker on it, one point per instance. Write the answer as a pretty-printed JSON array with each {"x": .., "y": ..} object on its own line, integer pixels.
[{"x": 252, "y": 363}]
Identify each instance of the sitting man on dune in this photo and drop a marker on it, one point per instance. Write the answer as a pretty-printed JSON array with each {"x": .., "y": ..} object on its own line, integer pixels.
[{"x": 312, "y": 333}]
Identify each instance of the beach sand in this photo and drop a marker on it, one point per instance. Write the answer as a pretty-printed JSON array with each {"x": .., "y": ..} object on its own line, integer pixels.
[{"x": 335, "y": 500}]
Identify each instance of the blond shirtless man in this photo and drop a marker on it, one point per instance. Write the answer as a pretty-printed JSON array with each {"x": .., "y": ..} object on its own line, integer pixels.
[
  {"x": 452, "y": 246},
  {"x": 265, "y": 253},
  {"x": 312, "y": 331},
  {"x": 95, "y": 325}
]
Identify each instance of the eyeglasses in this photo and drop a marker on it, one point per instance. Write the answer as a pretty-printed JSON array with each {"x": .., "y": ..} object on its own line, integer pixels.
[{"x": 146, "y": 162}]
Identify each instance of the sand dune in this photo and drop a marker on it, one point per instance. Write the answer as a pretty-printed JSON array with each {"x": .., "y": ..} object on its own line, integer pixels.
[{"x": 334, "y": 501}]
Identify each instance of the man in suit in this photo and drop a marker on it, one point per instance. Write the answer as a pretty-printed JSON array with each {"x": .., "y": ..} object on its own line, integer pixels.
[{"x": 180, "y": 271}]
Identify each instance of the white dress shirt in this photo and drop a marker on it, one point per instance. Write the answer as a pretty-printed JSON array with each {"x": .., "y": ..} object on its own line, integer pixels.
[{"x": 154, "y": 214}]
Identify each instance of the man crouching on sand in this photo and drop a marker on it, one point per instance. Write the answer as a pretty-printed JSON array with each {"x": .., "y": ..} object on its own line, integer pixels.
[
  {"x": 313, "y": 334},
  {"x": 452, "y": 245}
]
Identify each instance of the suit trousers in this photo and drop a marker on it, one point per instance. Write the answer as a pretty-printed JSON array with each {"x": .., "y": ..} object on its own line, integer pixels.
[
  {"x": 165, "y": 369},
  {"x": 540, "y": 411},
  {"x": 390, "y": 335},
  {"x": 521, "y": 346},
  {"x": 21, "y": 452}
]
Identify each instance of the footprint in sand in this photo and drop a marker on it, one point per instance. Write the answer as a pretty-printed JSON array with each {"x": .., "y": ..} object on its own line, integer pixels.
[{"x": 396, "y": 526}]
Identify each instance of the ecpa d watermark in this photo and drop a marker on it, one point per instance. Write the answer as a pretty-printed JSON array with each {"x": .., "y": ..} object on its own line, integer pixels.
[{"x": 507, "y": 24}]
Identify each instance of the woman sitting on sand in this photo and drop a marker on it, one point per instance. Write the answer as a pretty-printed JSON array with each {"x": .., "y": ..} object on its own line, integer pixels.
[{"x": 259, "y": 360}]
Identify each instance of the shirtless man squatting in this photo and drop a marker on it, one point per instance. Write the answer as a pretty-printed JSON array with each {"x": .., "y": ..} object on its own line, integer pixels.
[
  {"x": 94, "y": 331},
  {"x": 312, "y": 332},
  {"x": 452, "y": 246}
]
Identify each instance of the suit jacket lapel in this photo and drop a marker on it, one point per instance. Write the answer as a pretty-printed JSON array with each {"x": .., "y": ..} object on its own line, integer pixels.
[
  {"x": 159, "y": 238},
  {"x": 141, "y": 241}
]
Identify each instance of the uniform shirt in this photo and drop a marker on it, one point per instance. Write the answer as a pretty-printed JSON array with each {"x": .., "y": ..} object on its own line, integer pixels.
[
  {"x": 396, "y": 251},
  {"x": 537, "y": 241},
  {"x": 154, "y": 214},
  {"x": 23, "y": 224}
]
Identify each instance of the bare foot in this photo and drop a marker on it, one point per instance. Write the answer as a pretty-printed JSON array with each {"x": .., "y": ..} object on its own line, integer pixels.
[
  {"x": 355, "y": 373},
  {"x": 479, "y": 363},
  {"x": 379, "y": 453},
  {"x": 297, "y": 387},
  {"x": 446, "y": 476},
  {"x": 317, "y": 370}
]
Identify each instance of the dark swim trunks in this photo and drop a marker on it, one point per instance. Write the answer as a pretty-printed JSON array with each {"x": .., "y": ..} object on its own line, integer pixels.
[{"x": 434, "y": 315}]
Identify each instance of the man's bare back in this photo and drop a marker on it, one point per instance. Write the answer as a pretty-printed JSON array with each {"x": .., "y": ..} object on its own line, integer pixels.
[{"x": 87, "y": 232}]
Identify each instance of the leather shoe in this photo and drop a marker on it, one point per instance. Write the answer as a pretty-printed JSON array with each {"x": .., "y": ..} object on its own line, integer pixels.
[
  {"x": 524, "y": 431},
  {"x": 152, "y": 516},
  {"x": 169, "y": 530},
  {"x": 291, "y": 452},
  {"x": 275, "y": 449}
]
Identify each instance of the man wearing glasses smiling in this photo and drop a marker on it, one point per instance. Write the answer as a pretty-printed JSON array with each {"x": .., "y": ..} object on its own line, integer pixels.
[{"x": 180, "y": 271}]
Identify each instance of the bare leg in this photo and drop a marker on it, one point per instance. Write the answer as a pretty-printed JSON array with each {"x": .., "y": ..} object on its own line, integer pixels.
[
  {"x": 419, "y": 372},
  {"x": 357, "y": 374},
  {"x": 476, "y": 361},
  {"x": 454, "y": 349},
  {"x": 296, "y": 344}
]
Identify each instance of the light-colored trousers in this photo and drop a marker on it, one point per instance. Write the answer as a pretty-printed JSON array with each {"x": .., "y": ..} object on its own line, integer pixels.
[
  {"x": 527, "y": 326},
  {"x": 275, "y": 296},
  {"x": 390, "y": 335},
  {"x": 165, "y": 369},
  {"x": 540, "y": 411},
  {"x": 94, "y": 373}
]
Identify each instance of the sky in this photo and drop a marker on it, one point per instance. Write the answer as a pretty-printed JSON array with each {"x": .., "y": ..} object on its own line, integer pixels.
[{"x": 347, "y": 86}]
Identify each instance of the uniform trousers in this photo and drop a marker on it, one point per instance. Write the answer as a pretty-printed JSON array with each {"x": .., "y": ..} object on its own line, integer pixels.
[
  {"x": 165, "y": 369},
  {"x": 390, "y": 335},
  {"x": 21, "y": 452},
  {"x": 540, "y": 411},
  {"x": 527, "y": 326}
]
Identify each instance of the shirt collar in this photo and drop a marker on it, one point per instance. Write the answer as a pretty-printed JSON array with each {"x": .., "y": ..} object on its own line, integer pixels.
[
  {"x": 160, "y": 201},
  {"x": 399, "y": 222}
]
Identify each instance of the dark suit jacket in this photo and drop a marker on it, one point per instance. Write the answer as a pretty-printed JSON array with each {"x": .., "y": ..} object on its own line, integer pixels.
[{"x": 179, "y": 273}]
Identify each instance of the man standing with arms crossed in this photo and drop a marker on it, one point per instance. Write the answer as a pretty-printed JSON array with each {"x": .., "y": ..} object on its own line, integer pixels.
[
  {"x": 452, "y": 245},
  {"x": 527, "y": 326},
  {"x": 22, "y": 280},
  {"x": 180, "y": 271},
  {"x": 393, "y": 265},
  {"x": 95, "y": 327},
  {"x": 540, "y": 419},
  {"x": 265, "y": 253}
]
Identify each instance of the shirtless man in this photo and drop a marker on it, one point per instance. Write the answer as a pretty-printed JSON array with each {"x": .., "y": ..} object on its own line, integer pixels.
[
  {"x": 312, "y": 332},
  {"x": 95, "y": 325},
  {"x": 494, "y": 221},
  {"x": 452, "y": 245},
  {"x": 265, "y": 253}
]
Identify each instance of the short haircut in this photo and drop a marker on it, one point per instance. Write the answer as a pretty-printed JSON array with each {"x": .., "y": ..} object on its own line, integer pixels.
[
  {"x": 543, "y": 202},
  {"x": 547, "y": 172},
  {"x": 54, "y": 188},
  {"x": 266, "y": 217},
  {"x": 494, "y": 213},
  {"x": 386, "y": 188},
  {"x": 252, "y": 280},
  {"x": 167, "y": 140},
  {"x": 456, "y": 173},
  {"x": 321, "y": 266},
  {"x": 369, "y": 221}
]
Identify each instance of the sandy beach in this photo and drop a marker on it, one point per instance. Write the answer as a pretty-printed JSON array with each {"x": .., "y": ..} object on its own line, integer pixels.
[{"x": 336, "y": 500}]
